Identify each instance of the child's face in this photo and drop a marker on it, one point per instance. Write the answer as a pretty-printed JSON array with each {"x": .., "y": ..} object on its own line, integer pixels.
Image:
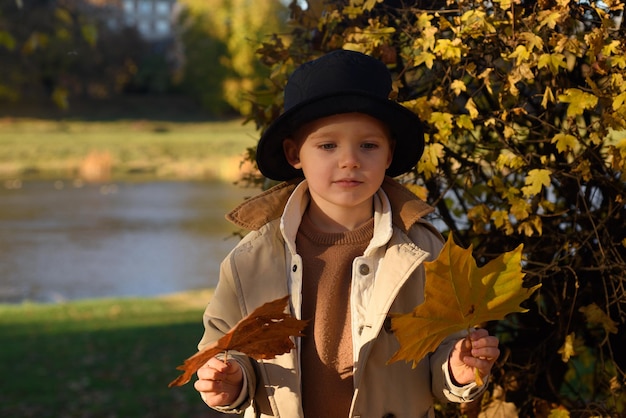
[{"x": 344, "y": 158}]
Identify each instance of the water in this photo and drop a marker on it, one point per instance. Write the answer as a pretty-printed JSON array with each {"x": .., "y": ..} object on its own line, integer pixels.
[{"x": 63, "y": 241}]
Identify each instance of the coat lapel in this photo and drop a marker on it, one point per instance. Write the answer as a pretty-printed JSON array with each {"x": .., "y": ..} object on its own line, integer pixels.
[{"x": 401, "y": 260}]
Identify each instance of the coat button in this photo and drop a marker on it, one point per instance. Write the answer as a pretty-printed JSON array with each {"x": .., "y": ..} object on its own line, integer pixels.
[
  {"x": 364, "y": 269},
  {"x": 294, "y": 268}
]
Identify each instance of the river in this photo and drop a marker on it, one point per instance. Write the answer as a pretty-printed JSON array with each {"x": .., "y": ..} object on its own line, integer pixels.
[{"x": 64, "y": 241}]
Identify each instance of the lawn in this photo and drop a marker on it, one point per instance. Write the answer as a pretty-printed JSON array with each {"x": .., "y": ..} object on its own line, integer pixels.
[
  {"x": 109, "y": 358},
  {"x": 100, "y": 358},
  {"x": 48, "y": 148}
]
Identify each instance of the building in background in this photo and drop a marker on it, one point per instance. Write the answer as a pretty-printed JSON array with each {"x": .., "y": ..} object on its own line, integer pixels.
[
  {"x": 155, "y": 20},
  {"x": 156, "y": 23}
]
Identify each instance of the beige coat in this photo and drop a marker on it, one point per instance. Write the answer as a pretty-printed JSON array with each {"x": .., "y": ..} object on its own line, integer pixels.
[{"x": 264, "y": 266}]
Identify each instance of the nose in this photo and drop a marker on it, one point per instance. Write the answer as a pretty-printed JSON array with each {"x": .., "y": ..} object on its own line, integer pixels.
[{"x": 349, "y": 158}]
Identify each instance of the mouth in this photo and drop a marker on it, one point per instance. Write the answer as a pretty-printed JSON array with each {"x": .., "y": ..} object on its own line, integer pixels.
[{"x": 348, "y": 182}]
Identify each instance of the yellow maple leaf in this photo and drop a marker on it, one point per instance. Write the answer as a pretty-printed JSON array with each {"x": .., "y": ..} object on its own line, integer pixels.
[
  {"x": 612, "y": 48},
  {"x": 424, "y": 58},
  {"x": 458, "y": 295},
  {"x": 520, "y": 54},
  {"x": 470, "y": 106},
  {"x": 520, "y": 208},
  {"x": 532, "y": 41},
  {"x": 449, "y": 49},
  {"x": 578, "y": 101},
  {"x": 552, "y": 61},
  {"x": 597, "y": 316},
  {"x": 548, "y": 97},
  {"x": 505, "y": 4},
  {"x": 536, "y": 179},
  {"x": 417, "y": 190},
  {"x": 458, "y": 86},
  {"x": 567, "y": 349},
  {"x": 464, "y": 122},
  {"x": 564, "y": 142},
  {"x": 429, "y": 161},
  {"x": 619, "y": 101},
  {"x": 423, "y": 21},
  {"x": 549, "y": 18},
  {"x": 369, "y": 4}
]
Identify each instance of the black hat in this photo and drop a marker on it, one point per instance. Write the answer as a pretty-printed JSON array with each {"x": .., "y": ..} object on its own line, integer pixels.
[{"x": 340, "y": 82}]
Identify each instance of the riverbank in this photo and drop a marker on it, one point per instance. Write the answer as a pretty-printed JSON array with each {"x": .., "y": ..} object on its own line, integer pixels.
[
  {"x": 108, "y": 150},
  {"x": 100, "y": 358}
]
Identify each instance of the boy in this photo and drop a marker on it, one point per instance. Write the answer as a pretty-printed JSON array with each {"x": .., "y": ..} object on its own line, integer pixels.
[{"x": 347, "y": 244}]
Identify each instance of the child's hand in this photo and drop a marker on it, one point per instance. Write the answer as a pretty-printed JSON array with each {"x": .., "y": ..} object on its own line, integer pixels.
[
  {"x": 481, "y": 354},
  {"x": 219, "y": 382}
]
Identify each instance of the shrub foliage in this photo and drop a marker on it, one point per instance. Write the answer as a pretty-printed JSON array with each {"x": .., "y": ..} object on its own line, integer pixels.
[{"x": 524, "y": 103}]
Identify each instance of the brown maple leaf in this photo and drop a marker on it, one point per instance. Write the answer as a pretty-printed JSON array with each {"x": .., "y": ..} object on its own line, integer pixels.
[{"x": 264, "y": 334}]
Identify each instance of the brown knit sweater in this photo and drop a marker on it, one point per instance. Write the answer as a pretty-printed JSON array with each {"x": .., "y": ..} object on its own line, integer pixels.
[{"x": 327, "y": 358}]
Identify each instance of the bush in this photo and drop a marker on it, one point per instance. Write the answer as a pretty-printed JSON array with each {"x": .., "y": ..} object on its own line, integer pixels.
[{"x": 523, "y": 104}]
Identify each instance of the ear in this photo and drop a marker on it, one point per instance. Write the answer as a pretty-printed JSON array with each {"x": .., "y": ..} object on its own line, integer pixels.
[{"x": 292, "y": 152}]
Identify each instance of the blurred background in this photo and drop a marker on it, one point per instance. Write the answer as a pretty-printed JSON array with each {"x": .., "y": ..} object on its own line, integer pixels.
[
  {"x": 122, "y": 147},
  {"x": 122, "y": 140}
]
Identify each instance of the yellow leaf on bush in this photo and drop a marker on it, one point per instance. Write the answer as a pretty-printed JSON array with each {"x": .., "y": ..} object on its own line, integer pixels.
[
  {"x": 552, "y": 61},
  {"x": 459, "y": 295},
  {"x": 549, "y": 18},
  {"x": 597, "y": 316},
  {"x": 520, "y": 54},
  {"x": 548, "y": 97},
  {"x": 464, "y": 122},
  {"x": 417, "y": 190},
  {"x": 458, "y": 86},
  {"x": 505, "y": 4},
  {"x": 535, "y": 180},
  {"x": 567, "y": 349},
  {"x": 578, "y": 101},
  {"x": 429, "y": 161},
  {"x": 424, "y": 58},
  {"x": 564, "y": 142},
  {"x": 612, "y": 48},
  {"x": 470, "y": 106},
  {"x": 520, "y": 208}
]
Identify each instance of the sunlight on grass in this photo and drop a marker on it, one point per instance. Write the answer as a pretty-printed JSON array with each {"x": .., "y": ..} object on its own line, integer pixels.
[{"x": 174, "y": 150}]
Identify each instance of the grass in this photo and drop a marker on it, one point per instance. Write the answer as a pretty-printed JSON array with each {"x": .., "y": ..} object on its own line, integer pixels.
[
  {"x": 48, "y": 148},
  {"x": 109, "y": 358},
  {"x": 100, "y": 358}
]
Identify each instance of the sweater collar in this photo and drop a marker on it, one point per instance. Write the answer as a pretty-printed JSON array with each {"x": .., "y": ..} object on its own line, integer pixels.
[{"x": 252, "y": 214}]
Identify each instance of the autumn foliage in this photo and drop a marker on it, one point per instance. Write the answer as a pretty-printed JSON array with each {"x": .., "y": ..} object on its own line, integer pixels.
[
  {"x": 524, "y": 104},
  {"x": 264, "y": 334},
  {"x": 458, "y": 296}
]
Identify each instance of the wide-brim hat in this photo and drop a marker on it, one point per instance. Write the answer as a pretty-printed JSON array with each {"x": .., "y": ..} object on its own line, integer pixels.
[{"x": 340, "y": 82}]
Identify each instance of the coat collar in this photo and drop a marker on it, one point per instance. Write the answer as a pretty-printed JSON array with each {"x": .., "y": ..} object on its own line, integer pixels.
[{"x": 257, "y": 211}]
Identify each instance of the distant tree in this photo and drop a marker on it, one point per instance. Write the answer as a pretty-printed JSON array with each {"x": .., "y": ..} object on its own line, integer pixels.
[
  {"x": 52, "y": 50},
  {"x": 220, "y": 39},
  {"x": 524, "y": 104}
]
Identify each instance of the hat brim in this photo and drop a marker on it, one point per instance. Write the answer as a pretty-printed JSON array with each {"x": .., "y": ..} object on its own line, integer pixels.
[{"x": 406, "y": 129}]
